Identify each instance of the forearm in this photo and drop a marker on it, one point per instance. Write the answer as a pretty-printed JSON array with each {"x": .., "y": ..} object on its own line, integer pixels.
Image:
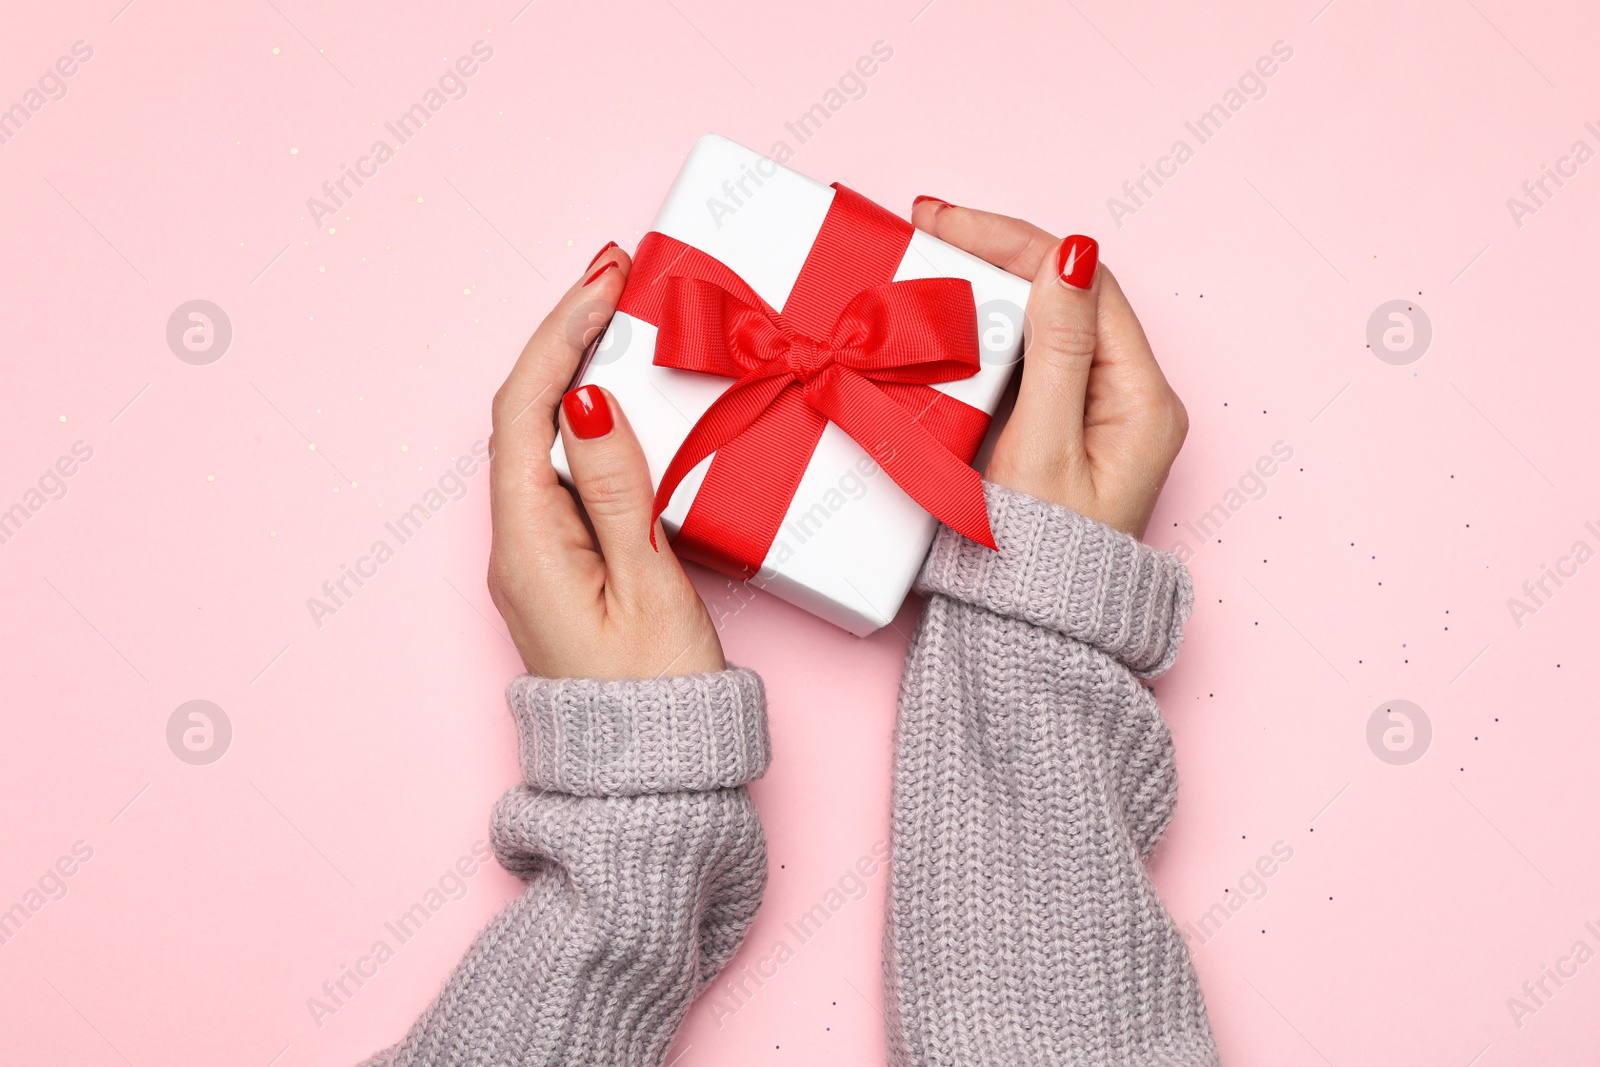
[
  {"x": 1033, "y": 775},
  {"x": 644, "y": 864}
]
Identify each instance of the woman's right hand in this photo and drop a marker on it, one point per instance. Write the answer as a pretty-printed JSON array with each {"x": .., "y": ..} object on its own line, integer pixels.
[{"x": 1096, "y": 426}]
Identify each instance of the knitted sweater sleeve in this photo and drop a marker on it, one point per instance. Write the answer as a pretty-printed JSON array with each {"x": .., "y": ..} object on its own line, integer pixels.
[
  {"x": 1033, "y": 776},
  {"x": 644, "y": 863}
]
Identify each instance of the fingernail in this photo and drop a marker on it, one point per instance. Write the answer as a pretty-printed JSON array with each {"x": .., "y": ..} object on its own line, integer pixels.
[
  {"x": 933, "y": 200},
  {"x": 1076, "y": 261},
  {"x": 609, "y": 266},
  {"x": 587, "y": 412},
  {"x": 609, "y": 246}
]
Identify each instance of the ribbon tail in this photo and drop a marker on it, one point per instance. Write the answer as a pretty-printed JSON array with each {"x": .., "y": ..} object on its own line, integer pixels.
[
  {"x": 933, "y": 476},
  {"x": 729, "y": 416},
  {"x": 740, "y": 507}
]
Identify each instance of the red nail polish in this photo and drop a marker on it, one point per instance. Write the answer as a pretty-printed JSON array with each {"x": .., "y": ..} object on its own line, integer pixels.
[
  {"x": 1077, "y": 259},
  {"x": 587, "y": 412},
  {"x": 609, "y": 246},
  {"x": 609, "y": 266},
  {"x": 931, "y": 199}
]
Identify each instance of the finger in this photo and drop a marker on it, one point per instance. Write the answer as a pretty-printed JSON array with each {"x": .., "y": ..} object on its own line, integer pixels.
[
  {"x": 1123, "y": 344},
  {"x": 524, "y": 408},
  {"x": 613, "y": 481},
  {"x": 1129, "y": 390},
  {"x": 1062, "y": 334},
  {"x": 539, "y": 537},
  {"x": 1010, "y": 244}
]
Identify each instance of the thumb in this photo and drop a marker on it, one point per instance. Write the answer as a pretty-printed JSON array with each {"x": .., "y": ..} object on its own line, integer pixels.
[
  {"x": 613, "y": 481},
  {"x": 1060, "y": 348}
]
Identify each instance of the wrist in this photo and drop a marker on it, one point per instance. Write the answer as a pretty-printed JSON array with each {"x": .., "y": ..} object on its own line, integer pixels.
[{"x": 1120, "y": 512}]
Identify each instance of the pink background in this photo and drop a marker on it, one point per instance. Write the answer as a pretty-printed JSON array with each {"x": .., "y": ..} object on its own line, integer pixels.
[{"x": 366, "y": 753}]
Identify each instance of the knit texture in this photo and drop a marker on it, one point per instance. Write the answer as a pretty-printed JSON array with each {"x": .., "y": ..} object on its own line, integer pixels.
[
  {"x": 1072, "y": 575},
  {"x": 1033, "y": 775},
  {"x": 644, "y": 864}
]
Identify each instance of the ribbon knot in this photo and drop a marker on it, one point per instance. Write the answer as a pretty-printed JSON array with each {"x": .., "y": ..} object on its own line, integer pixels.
[{"x": 807, "y": 358}]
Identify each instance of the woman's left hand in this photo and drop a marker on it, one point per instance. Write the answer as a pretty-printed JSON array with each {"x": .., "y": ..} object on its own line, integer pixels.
[{"x": 582, "y": 606}]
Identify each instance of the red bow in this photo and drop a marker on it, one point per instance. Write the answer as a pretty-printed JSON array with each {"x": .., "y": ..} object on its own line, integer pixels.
[{"x": 850, "y": 347}]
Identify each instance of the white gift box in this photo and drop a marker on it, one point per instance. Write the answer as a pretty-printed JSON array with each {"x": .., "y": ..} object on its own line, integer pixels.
[{"x": 852, "y": 541}]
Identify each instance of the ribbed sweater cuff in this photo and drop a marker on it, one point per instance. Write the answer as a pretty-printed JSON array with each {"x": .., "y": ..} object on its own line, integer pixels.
[
  {"x": 623, "y": 738},
  {"x": 1057, "y": 569}
]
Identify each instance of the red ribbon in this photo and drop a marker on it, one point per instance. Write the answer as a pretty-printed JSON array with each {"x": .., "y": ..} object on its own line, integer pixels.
[{"x": 851, "y": 346}]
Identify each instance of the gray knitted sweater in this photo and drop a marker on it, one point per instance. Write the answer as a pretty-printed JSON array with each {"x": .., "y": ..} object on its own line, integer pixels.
[{"x": 1033, "y": 775}]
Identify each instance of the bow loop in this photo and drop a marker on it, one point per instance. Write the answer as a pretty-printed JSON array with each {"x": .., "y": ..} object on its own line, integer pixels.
[
  {"x": 707, "y": 328},
  {"x": 917, "y": 332}
]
